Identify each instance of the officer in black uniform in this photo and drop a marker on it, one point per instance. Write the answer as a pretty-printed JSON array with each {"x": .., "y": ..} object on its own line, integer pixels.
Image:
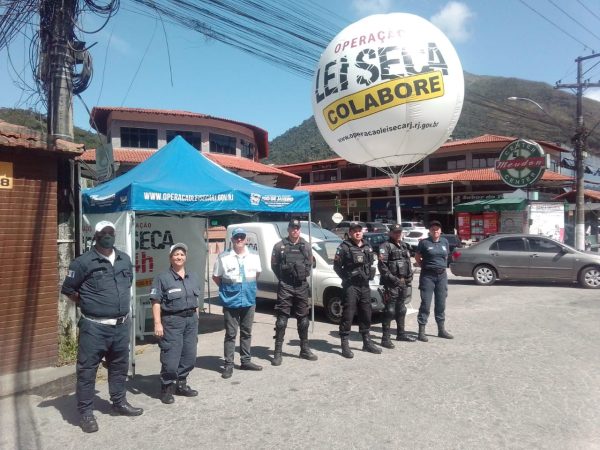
[
  {"x": 99, "y": 281},
  {"x": 353, "y": 262},
  {"x": 432, "y": 257},
  {"x": 396, "y": 276},
  {"x": 291, "y": 262},
  {"x": 174, "y": 296}
]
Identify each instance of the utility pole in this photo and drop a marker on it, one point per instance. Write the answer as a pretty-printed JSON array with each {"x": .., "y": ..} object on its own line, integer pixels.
[
  {"x": 56, "y": 72},
  {"x": 580, "y": 144}
]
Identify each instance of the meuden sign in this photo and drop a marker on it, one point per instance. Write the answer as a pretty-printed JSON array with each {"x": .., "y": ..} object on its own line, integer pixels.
[{"x": 521, "y": 163}]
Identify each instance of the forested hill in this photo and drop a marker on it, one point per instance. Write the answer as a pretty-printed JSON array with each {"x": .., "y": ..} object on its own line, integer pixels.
[{"x": 486, "y": 110}]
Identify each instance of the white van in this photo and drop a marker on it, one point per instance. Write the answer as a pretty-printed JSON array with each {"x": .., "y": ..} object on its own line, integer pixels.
[{"x": 327, "y": 286}]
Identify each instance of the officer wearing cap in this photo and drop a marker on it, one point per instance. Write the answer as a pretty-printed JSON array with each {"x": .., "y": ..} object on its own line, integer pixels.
[
  {"x": 99, "y": 281},
  {"x": 353, "y": 263},
  {"x": 432, "y": 257},
  {"x": 396, "y": 276},
  {"x": 174, "y": 296},
  {"x": 291, "y": 261},
  {"x": 235, "y": 272}
]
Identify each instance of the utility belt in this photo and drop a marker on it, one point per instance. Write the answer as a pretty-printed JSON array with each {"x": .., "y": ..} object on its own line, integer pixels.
[
  {"x": 293, "y": 281},
  {"x": 183, "y": 313},
  {"x": 106, "y": 320},
  {"x": 433, "y": 270}
]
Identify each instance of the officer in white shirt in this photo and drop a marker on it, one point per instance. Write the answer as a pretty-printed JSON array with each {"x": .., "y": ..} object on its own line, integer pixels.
[{"x": 235, "y": 272}]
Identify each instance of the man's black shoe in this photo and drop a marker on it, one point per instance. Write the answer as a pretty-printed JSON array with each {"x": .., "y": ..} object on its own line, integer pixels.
[
  {"x": 88, "y": 424},
  {"x": 250, "y": 366},
  {"x": 185, "y": 390},
  {"x": 405, "y": 337},
  {"x": 227, "y": 372},
  {"x": 125, "y": 409}
]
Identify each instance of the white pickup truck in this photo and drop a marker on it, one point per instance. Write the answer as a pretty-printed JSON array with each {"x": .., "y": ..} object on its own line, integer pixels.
[{"x": 327, "y": 286}]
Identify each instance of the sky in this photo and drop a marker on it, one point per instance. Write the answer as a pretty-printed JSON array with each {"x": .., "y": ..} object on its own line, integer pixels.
[{"x": 134, "y": 61}]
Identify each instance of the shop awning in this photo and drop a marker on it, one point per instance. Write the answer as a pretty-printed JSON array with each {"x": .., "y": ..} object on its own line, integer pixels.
[{"x": 494, "y": 204}]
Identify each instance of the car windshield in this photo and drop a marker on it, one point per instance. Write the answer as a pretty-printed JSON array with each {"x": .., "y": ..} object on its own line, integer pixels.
[
  {"x": 327, "y": 249},
  {"x": 376, "y": 239},
  {"x": 413, "y": 225},
  {"x": 415, "y": 234},
  {"x": 315, "y": 230}
]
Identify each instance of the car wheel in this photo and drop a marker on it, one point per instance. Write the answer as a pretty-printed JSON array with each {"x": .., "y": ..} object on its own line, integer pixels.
[
  {"x": 484, "y": 275},
  {"x": 333, "y": 308},
  {"x": 589, "y": 277}
]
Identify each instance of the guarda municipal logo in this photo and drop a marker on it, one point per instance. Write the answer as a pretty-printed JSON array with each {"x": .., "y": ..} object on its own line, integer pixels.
[{"x": 521, "y": 163}]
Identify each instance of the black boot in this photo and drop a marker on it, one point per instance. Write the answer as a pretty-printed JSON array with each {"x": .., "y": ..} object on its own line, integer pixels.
[
  {"x": 442, "y": 331},
  {"x": 400, "y": 333},
  {"x": 422, "y": 336},
  {"x": 368, "y": 345},
  {"x": 386, "y": 340},
  {"x": 305, "y": 353},
  {"x": 280, "y": 326},
  {"x": 184, "y": 390},
  {"x": 346, "y": 352},
  {"x": 166, "y": 393}
]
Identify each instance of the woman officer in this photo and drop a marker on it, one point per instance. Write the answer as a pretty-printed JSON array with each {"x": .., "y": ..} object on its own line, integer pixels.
[{"x": 174, "y": 296}]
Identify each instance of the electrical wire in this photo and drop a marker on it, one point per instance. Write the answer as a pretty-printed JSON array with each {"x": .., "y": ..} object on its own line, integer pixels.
[{"x": 574, "y": 20}]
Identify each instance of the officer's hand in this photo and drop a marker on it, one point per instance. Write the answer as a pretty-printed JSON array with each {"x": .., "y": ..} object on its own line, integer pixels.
[{"x": 158, "y": 330}]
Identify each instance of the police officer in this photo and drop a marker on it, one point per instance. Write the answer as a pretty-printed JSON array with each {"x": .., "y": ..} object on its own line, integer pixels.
[
  {"x": 353, "y": 262},
  {"x": 432, "y": 257},
  {"x": 396, "y": 275},
  {"x": 291, "y": 262},
  {"x": 99, "y": 281},
  {"x": 174, "y": 296}
]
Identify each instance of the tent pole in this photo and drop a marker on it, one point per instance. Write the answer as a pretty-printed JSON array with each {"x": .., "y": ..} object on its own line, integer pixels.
[
  {"x": 207, "y": 263},
  {"x": 312, "y": 298},
  {"x": 133, "y": 291}
]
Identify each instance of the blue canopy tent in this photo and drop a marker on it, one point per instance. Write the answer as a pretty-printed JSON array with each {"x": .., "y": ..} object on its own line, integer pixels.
[{"x": 178, "y": 181}]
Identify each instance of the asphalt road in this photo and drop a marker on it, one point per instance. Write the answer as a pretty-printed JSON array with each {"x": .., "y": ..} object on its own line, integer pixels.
[{"x": 522, "y": 372}]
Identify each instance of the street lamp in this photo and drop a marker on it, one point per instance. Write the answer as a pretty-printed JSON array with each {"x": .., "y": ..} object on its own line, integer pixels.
[{"x": 579, "y": 144}]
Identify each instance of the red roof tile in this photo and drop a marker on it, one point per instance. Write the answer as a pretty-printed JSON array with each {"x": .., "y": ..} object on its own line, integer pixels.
[
  {"x": 19, "y": 137},
  {"x": 99, "y": 120},
  {"x": 425, "y": 179},
  {"x": 588, "y": 194},
  {"x": 134, "y": 157}
]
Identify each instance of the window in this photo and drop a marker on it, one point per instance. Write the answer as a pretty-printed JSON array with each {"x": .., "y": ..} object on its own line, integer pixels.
[
  {"x": 483, "y": 160},
  {"x": 222, "y": 144},
  {"x": 353, "y": 172},
  {"x": 325, "y": 176},
  {"x": 305, "y": 178},
  {"x": 139, "y": 137},
  {"x": 449, "y": 163},
  {"x": 509, "y": 245},
  {"x": 247, "y": 149},
  {"x": 543, "y": 246},
  {"x": 193, "y": 138}
]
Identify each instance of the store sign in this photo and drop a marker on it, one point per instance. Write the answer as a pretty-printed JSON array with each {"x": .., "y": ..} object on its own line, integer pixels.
[
  {"x": 521, "y": 163},
  {"x": 6, "y": 175}
]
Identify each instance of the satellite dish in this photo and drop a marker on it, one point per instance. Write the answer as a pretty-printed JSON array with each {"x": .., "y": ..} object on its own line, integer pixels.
[{"x": 104, "y": 162}]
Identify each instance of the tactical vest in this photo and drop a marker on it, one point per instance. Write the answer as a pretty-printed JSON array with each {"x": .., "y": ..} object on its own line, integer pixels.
[
  {"x": 294, "y": 261},
  {"x": 398, "y": 260},
  {"x": 360, "y": 258}
]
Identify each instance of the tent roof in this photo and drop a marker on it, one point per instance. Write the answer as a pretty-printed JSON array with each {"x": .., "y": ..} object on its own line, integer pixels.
[
  {"x": 178, "y": 178},
  {"x": 496, "y": 204}
]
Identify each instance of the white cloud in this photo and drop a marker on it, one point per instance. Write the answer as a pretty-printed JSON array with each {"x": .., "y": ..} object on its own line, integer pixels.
[
  {"x": 453, "y": 20},
  {"x": 366, "y": 7},
  {"x": 593, "y": 93}
]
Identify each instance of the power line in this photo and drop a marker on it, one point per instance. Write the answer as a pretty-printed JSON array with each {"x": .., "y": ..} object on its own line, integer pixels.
[
  {"x": 574, "y": 20},
  {"x": 588, "y": 9}
]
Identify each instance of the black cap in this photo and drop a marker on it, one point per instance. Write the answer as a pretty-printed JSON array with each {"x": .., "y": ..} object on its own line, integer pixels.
[
  {"x": 354, "y": 225},
  {"x": 435, "y": 223},
  {"x": 294, "y": 223},
  {"x": 396, "y": 227}
]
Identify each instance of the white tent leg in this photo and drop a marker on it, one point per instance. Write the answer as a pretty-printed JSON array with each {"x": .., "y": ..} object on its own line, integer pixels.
[
  {"x": 208, "y": 265},
  {"x": 133, "y": 325},
  {"x": 312, "y": 298}
]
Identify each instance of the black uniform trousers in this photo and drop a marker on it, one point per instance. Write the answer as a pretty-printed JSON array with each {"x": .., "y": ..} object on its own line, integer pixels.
[
  {"x": 432, "y": 284},
  {"x": 178, "y": 347},
  {"x": 356, "y": 298},
  {"x": 292, "y": 295},
  {"x": 395, "y": 307},
  {"x": 97, "y": 341}
]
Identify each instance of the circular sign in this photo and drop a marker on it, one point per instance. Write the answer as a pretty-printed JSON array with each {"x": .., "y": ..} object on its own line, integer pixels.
[
  {"x": 521, "y": 163},
  {"x": 337, "y": 218},
  {"x": 388, "y": 90}
]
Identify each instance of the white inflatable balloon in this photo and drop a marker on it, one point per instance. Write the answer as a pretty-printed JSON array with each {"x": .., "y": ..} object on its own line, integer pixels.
[{"x": 388, "y": 91}]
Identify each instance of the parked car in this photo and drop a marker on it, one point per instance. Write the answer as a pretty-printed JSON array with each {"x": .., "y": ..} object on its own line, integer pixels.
[
  {"x": 327, "y": 286},
  {"x": 526, "y": 257},
  {"x": 454, "y": 242},
  {"x": 407, "y": 227},
  {"x": 413, "y": 237},
  {"x": 341, "y": 230},
  {"x": 375, "y": 240},
  {"x": 376, "y": 227}
]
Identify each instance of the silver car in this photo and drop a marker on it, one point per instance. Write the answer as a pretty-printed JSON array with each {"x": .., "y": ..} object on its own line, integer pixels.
[{"x": 526, "y": 257}]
